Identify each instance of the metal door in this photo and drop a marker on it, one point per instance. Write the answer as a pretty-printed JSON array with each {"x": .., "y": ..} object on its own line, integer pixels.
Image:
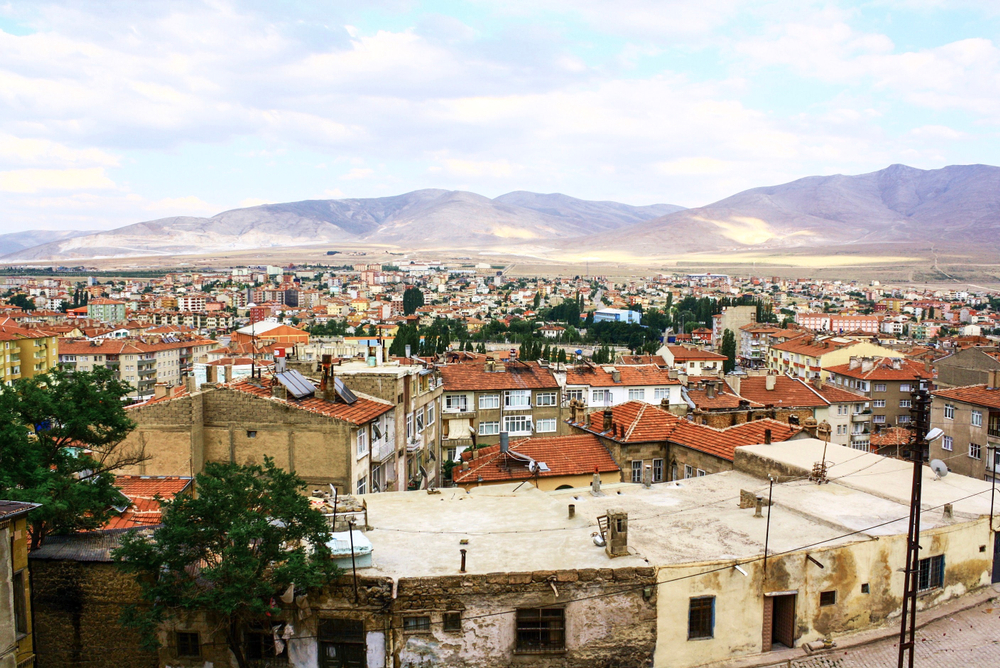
[
  {"x": 784, "y": 620},
  {"x": 996, "y": 557}
]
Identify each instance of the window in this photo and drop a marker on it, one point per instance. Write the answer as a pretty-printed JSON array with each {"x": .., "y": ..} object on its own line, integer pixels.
[
  {"x": 420, "y": 420},
  {"x": 517, "y": 399},
  {"x": 947, "y": 443},
  {"x": 362, "y": 442},
  {"x": 975, "y": 450},
  {"x": 420, "y": 624},
  {"x": 977, "y": 418},
  {"x": 701, "y": 617},
  {"x": 574, "y": 394},
  {"x": 601, "y": 397},
  {"x": 488, "y": 401},
  {"x": 541, "y": 630},
  {"x": 661, "y": 393},
  {"x": 20, "y": 606},
  {"x": 878, "y": 403},
  {"x": 517, "y": 424},
  {"x": 904, "y": 403},
  {"x": 489, "y": 428},
  {"x": 865, "y": 588},
  {"x": 688, "y": 471},
  {"x": 879, "y": 387},
  {"x": 841, "y": 409},
  {"x": 904, "y": 387},
  {"x": 430, "y": 414},
  {"x": 458, "y": 403},
  {"x": 949, "y": 412},
  {"x": 657, "y": 470},
  {"x": 545, "y": 426},
  {"x": 878, "y": 419},
  {"x": 863, "y": 385},
  {"x": 902, "y": 419},
  {"x": 259, "y": 645},
  {"x": 930, "y": 573},
  {"x": 188, "y": 644},
  {"x": 636, "y": 470},
  {"x": 701, "y": 472},
  {"x": 452, "y": 621},
  {"x": 637, "y": 394},
  {"x": 376, "y": 430},
  {"x": 827, "y": 598},
  {"x": 545, "y": 399},
  {"x": 363, "y": 485},
  {"x": 251, "y": 433}
]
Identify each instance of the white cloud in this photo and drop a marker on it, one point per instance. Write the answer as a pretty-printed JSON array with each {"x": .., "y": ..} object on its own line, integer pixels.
[
  {"x": 20, "y": 150},
  {"x": 358, "y": 173},
  {"x": 34, "y": 180},
  {"x": 182, "y": 206}
]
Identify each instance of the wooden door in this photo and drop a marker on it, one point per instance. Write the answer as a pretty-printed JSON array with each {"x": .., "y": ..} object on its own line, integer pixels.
[{"x": 784, "y": 620}]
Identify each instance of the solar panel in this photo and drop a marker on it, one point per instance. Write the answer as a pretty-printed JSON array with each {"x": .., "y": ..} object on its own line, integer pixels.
[
  {"x": 343, "y": 392},
  {"x": 296, "y": 384}
]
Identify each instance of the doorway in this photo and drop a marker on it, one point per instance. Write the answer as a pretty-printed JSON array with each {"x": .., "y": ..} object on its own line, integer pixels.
[
  {"x": 342, "y": 643},
  {"x": 996, "y": 557},
  {"x": 779, "y": 621}
]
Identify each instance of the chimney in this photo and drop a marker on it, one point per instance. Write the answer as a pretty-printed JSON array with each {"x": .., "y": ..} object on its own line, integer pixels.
[
  {"x": 191, "y": 383},
  {"x": 855, "y": 363},
  {"x": 823, "y": 431},
  {"x": 595, "y": 485},
  {"x": 758, "y": 507},
  {"x": 616, "y": 376},
  {"x": 617, "y": 542},
  {"x": 462, "y": 569},
  {"x": 504, "y": 442},
  {"x": 407, "y": 349},
  {"x": 770, "y": 380},
  {"x": 993, "y": 379},
  {"x": 465, "y": 465},
  {"x": 867, "y": 364},
  {"x": 572, "y": 510},
  {"x": 665, "y": 403},
  {"x": 647, "y": 476},
  {"x": 279, "y": 391},
  {"x": 710, "y": 389},
  {"x": 734, "y": 382},
  {"x": 160, "y": 390},
  {"x": 767, "y": 437},
  {"x": 607, "y": 419},
  {"x": 949, "y": 512}
]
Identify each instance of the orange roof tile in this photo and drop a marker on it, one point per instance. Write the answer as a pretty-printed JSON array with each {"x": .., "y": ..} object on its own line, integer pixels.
[
  {"x": 885, "y": 369},
  {"x": 142, "y": 493},
  {"x": 787, "y": 392},
  {"x": 972, "y": 394},
  {"x": 596, "y": 376},
  {"x": 517, "y": 376},
  {"x": 360, "y": 412},
  {"x": 581, "y": 454},
  {"x": 685, "y": 354}
]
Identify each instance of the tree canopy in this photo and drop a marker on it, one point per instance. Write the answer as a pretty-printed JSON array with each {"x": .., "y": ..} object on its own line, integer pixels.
[
  {"x": 61, "y": 439},
  {"x": 728, "y": 348},
  {"x": 413, "y": 298},
  {"x": 230, "y": 552}
]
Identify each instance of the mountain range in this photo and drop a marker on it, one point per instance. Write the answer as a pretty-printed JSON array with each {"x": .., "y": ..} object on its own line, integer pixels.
[{"x": 956, "y": 207}]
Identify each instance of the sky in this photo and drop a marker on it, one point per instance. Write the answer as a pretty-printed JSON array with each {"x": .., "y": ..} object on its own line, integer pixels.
[{"x": 115, "y": 112}]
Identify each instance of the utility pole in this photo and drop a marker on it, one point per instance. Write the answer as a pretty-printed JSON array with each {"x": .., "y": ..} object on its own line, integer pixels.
[{"x": 920, "y": 425}]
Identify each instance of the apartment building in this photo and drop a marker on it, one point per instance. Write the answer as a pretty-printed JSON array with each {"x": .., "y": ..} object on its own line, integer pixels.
[
  {"x": 483, "y": 399},
  {"x": 970, "y": 419},
  {"x": 887, "y": 382},
  {"x": 16, "y": 641},
  {"x": 808, "y": 357},
  {"x": 692, "y": 361},
  {"x": 731, "y": 318},
  {"x": 608, "y": 385},
  {"x": 839, "y": 323},
  {"x": 106, "y": 310},
  {"x": 25, "y": 352}
]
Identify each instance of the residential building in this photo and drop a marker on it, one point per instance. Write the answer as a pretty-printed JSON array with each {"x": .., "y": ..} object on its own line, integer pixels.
[
  {"x": 617, "y": 315},
  {"x": 555, "y": 462},
  {"x": 731, "y": 318},
  {"x": 888, "y": 384},
  {"x": 608, "y": 385},
  {"x": 969, "y": 366},
  {"x": 16, "y": 641},
  {"x": 809, "y": 357},
  {"x": 270, "y": 332},
  {"x": 106, "y": 310},
  {"x": 482, "y": 400},
  {"x": 692, "y": 361},
  {"x": 970, "y": 419},
  {"x": 25, "y": 352}
]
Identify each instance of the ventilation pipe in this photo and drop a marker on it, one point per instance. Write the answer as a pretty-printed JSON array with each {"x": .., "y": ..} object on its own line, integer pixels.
[
  {"x": 572, "y": 510},
  {"x": 767, "y": 437},
  {"x": 504, "y": 442},
  {"x": 607, "y": 419},
  {"x": 462, "y": 569}
]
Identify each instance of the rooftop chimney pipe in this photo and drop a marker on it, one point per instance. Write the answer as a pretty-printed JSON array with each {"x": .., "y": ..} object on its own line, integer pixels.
[
  {"x": 462, "y": 570},
  {"x": 767, "y": 437}
]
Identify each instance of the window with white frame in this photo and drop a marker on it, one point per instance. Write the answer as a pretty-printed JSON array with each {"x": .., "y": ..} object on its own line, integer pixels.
[
  {"x": 904, "y": 403},
  {"x": 975, "y": 450},
  {"x": 949, "y": 412},
  {"x": 661, "y": 393},
  {"x": 575, "y": 393},
  {"x": 700, "y": 473},
  {"x": 657, "y": 470},
  {"x": 409, "y": 426},
  {"x": 879, "y": 387},
  {"x": 458, "y": 403},
  {"x": 430, "y": 414},
  {"x": 517, "y": 424},
  {"x": 420, "y": 420},
  {"x": 637, "y": 394},
  {"x": 688, "y": 471},
  {"x": 489, "y": 428},
  {"x": 977, "y": 418},
  {"x": 517, "y": 399},
  {"x": 904, "y": 387},
  {"x": 902, "y": 419},
  {"x": 878, "y": 403},
  {"x": 545, "y": 426},
  {"x": 601, "y": 396},
  {"x": 363, "y": 485},
  {"x": 878, "y": 419},
  {"x": 841, "y": 409},
  {"x": 947, "y": 443},
  {"x": 545, "y": 399},
  {"x": 636, "y": 470},
  {"x": 488, "y": 401},
  {"x": 362, "y": 442}
]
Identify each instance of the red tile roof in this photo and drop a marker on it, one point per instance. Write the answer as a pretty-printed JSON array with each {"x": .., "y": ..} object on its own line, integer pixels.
[
  {"x": 724, "y": 398},
  {"x": 685, "y": 354},
  {"x": 517, "y": 376},
  {"x": 637, "y": 360},
  {"x": 885, "y": 368},
  {"x": 972, "y": 394},
  {"x": 838, "y": 395},
  {"x": 638, "y": 422},
  {"x": 141, "y": 491},
  {"x": 596, "y": 376},
  {"x": 890, "y": 436},
  {"x": 787, "y": 392},
  {"x": 581, "y": 454},
  {"x": 809, "y": 346},
  {"x": 360, "y": 412}
]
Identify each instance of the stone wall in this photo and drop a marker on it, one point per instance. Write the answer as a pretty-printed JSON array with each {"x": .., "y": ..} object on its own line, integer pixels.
[{"x": 76, "y": 610}]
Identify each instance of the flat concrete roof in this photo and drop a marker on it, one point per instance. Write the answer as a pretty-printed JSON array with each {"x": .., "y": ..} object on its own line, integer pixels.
[{"x": 519, "y": 528}]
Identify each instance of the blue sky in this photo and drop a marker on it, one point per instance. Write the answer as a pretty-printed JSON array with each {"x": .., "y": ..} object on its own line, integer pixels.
[{"x": 117, "y": 112}]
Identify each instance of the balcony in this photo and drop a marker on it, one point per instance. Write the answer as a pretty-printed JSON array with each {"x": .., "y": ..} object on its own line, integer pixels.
[
  {"x": 863, "y": 416},
  {"x": 459, "y": 414}
]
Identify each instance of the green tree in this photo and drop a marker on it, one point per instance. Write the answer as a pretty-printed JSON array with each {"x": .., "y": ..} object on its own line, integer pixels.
[
  {"x": 22, "y": 301},
  {"x": 537, "y": 301},
  {"x": 61, "y": 439},
  {"x": 728, "y": 349},
  {"x": 561, "y": 358},
  {"x": 248, "y": 536},
  {"x": 413, "y": 298}
]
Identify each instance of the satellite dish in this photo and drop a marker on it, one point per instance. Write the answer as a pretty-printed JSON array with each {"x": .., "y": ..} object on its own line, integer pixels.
[{"x": 940, "y": 468}]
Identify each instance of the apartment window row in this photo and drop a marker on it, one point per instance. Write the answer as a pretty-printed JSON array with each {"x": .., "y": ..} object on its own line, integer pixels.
[
  {"x": 692, "y": 472},
  {"x": 517, "y": 425},
  {"x": 656, "y": 466}
]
